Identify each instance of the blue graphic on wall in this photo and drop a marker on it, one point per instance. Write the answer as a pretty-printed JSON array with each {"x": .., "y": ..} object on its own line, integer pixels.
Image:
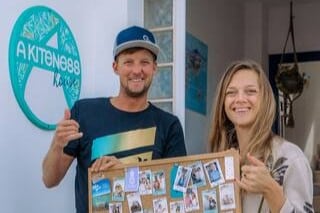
[
  {"x": 196, "y": 74},
  {"x": 42, "y": 44}
]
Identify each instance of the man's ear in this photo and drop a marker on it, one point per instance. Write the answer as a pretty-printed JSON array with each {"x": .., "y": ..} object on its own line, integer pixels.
[
  {"x": 155, "y": 67},
  {"x": 115, "y": 67}
]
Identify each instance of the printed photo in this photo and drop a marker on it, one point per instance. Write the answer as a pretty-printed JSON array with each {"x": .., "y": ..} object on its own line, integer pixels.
[
  {"x": 229, "y": 168},
  {"x": 134, "y": 202},
  {"x": 191, "y": 200},
  {"x": 197, "y": 174},
  {"x": 209, "y": 200},
  {"x": 148, "y": 211},
  {"x": 182, "y": 178},
  {"x": 131, "y": 183},
  {"x": 160, "y": 205},
  {"x": 101, "y": 193},
  {"x": 227, "y": 198},
  {"x": 158, "y": 183},
  {"x": 115, "y": 208},
  {"x": 177, "y": 207},
  {"x": 145, "y": 183},
  {"x": 118, "y": 189},
  {"x": 214, "y": 173}
]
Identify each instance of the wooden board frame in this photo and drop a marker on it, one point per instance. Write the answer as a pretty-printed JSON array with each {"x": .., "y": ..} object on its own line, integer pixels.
[{"x": 166, "y": 165}]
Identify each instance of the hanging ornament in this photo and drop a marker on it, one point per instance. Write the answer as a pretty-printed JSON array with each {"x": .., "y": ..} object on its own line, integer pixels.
[{"x": 288, "y": 78}]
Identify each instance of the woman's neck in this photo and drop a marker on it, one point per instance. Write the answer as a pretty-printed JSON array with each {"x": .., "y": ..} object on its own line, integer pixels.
[{"x": 243, "y": 137}]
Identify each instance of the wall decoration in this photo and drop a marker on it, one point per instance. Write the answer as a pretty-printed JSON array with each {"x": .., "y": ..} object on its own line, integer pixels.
[
  {"x": 196, "y": 74},
  {"x": 44, "y": 65}
]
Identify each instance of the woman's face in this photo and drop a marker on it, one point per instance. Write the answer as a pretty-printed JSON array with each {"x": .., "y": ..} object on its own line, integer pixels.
[{"x": 241, "y": 102}]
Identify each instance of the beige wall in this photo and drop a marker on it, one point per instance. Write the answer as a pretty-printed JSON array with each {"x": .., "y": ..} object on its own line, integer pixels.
[
  {"x": 220, "y": 25},
  {"x": 254, "y": 29},
  {"x": 306, "y": 109}
]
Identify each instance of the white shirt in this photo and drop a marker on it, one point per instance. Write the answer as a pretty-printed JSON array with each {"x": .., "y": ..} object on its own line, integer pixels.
[{"x": 294, "y": 174}]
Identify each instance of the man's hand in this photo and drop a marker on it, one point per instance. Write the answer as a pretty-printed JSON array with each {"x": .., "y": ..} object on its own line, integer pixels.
[
  {"x": 67, "y": 130},
  {"x": 104, "y": 163},
  {"x": 56, "y": 163}
]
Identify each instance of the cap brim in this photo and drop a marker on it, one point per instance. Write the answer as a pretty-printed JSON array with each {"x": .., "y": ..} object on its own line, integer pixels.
[{"x": 131, "y": 44}]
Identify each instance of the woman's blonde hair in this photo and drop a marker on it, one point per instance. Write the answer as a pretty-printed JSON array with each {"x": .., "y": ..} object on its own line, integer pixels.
[{"x": 223, "y": 135}]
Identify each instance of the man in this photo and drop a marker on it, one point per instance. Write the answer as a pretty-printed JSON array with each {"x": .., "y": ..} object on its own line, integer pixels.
[{"x": 102, "y": 132}]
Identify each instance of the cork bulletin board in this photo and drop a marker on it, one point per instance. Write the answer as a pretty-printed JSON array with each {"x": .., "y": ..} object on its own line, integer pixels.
[{"x": 196, "y": 183}]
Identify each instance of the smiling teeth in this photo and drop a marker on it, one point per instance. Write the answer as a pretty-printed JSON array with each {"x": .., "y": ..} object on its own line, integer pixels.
[
  {"x": 136, "y": 80},
  {"x": 241, "y": 110}
]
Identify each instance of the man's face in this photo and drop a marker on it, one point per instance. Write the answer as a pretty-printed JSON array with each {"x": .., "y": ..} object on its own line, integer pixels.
[{"x": 136, "y": 71}]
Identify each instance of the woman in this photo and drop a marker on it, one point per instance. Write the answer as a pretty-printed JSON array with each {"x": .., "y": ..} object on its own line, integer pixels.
[{"x": 275, "y": 174}]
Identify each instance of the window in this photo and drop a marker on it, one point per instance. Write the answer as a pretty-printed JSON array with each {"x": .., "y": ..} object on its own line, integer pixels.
[
  {"x": 167, "y": 23},
  {"x": 158, "y": 19}
]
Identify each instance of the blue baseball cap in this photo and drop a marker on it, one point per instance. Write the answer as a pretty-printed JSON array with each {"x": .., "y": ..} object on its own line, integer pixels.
[{"x": 135, "y": 37}]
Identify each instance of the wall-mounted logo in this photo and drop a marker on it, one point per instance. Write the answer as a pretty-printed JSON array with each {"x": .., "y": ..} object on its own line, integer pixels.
[{"x": 44, "y": 65}]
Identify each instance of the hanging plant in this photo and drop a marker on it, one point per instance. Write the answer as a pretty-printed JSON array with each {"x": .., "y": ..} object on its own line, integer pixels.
[{"x": 288, "y": 78}]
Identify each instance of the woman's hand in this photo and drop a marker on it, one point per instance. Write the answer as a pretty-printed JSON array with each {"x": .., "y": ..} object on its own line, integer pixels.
[{"x": 256, "y": 178}]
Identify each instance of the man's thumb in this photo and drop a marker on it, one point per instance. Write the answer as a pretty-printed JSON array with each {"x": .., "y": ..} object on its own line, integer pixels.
[{"x": 67, "y": 114}]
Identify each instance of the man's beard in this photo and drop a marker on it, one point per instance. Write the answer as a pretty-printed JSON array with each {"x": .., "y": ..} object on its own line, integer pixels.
[{"x": 136, "y": 94}]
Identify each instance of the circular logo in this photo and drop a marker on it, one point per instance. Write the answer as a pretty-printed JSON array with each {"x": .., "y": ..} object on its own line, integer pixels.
[{"x": 43, "y": 45}]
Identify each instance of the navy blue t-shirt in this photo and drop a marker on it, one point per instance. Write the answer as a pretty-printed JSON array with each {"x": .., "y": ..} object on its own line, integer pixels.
[{"x": 129, "y": 136}]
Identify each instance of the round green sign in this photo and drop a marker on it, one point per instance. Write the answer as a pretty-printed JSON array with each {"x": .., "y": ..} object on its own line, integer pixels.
[{"x": 31, "y": 48}]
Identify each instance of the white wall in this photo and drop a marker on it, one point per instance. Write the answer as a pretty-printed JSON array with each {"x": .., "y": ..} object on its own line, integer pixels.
[
  {"x": 220, "y": 25},
  {"x": 94, "y": 25}
]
